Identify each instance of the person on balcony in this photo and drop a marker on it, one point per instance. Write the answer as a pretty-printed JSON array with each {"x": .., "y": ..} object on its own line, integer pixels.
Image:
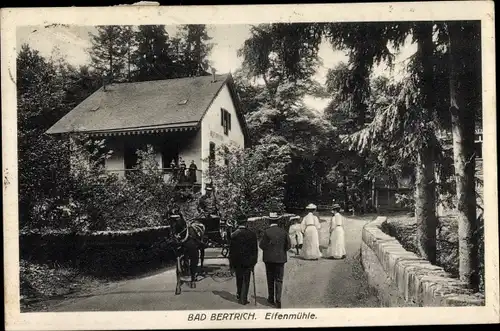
[
  {"x": 182, "y": 172},
  {"x": 192, "y": 172}
]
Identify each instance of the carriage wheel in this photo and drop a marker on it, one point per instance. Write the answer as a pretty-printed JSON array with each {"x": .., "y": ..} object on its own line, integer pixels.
[{"x": 225, "y": 251}]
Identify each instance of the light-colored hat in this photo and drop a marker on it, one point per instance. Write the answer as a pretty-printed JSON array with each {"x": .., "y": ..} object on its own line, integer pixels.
[
  {"x": 273, "y": 215},
  {"x": 208, "y": 188},
  {"x": 311, "y": 206},
  {"x": 336, "y": 206}
]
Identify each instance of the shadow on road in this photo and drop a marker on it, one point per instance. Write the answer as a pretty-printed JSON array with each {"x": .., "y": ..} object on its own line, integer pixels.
[
  {"x": 232, "y": 298},
  {"x": 226, "y": 296},
  {"x": 262, "y": 301}
]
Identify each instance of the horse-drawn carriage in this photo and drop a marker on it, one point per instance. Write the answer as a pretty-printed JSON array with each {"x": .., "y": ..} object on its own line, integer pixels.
[{"x": 191, "y": 238}]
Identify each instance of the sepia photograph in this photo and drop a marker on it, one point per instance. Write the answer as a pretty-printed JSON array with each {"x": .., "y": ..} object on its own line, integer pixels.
[{"x": 249, "y": 171}]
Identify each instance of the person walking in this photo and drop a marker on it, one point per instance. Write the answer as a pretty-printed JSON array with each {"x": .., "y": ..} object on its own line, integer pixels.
[
  {"x": 310, "y": 226},
  {"x": 336, "y": 247},
  {"x": 275, "y": 244},
  {"x": 296, "y": 235},
  {"x": 243, "y": 252}
]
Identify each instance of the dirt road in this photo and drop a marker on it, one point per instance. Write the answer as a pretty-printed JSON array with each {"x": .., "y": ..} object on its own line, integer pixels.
[{"x": 307, "y": 284}]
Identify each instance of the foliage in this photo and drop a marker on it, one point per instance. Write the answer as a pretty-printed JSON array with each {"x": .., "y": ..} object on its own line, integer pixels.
[
  {"x": 252, "y": 181},
  {"x": 196, "y": 48},
  {"x": 152, "y": 58},
  {"x": 43, "y": 166},
  {"x": 102, "y": 201},
  {"x": 108, "y": 51}
]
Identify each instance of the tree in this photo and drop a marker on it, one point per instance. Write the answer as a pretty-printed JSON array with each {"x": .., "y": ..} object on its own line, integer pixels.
[
  {"x": 152, "y": 57},
  {"x": 108, "y": 51},
  {"x": 465, "y": 100},
  {"x": 253, "y": 179},
  {"x": 40, "y": 95},
  {"x": 196, "y": 48},
  {"x": 130, "y": 44}
]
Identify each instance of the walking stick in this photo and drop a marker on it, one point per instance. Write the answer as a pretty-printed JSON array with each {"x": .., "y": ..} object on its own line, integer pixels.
[{"x": 254, "y": 289}]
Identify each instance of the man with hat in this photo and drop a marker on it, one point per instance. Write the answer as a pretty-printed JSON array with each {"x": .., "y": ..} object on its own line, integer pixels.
[
  {"x": 275, "y": 244},
  {"x": 207, "y": 205},
  {"x": 243, "y": 252}
]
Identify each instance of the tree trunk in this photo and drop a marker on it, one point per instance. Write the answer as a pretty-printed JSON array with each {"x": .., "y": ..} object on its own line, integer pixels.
[
  {"x": 425, "y": 205},
  {"x": 463, "y": 127},
  {"x": 425, "y": 186},
  {"x": 346, "y": 195}
]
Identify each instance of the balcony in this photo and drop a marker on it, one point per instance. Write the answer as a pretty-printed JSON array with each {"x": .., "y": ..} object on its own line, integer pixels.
[{"x": 172, "y": 176}]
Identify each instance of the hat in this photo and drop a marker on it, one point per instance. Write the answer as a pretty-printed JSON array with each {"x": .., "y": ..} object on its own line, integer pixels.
[
  {"x": 273, "y": 215},
  {"x": 336, "y": 206},
  {"x": 208, "y": 188},
  {"x": 311, "y": 206}
]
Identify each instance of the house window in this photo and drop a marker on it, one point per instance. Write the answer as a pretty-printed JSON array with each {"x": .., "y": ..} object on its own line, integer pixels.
[
  {"x": 130, "y": 157},
  {"x": 478, "y": 149},
  {"x": 226, "y": 155},
  {"x": 211, "y": 156},
  {"x": 478, "y": 146},
  {"x": 225, "y": 120}
]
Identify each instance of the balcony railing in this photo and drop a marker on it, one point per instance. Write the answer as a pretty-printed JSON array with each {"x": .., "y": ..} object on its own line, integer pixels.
[{"x": 174, "y": 176}]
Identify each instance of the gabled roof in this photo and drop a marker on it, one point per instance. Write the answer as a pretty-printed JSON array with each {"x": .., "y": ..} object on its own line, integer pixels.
[{"x": 150, "y": 105}]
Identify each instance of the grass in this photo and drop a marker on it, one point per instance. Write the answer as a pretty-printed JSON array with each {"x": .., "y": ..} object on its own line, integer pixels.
[{"x": 43, "y": 283}]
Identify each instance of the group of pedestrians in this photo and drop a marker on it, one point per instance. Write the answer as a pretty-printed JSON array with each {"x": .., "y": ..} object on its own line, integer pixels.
[
  {"x": 305, "y": 235},
  {"x": 275, "y": 244}
]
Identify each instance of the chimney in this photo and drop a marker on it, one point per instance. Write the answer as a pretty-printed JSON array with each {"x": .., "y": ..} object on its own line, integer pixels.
[{"x": 213, "y": 75}]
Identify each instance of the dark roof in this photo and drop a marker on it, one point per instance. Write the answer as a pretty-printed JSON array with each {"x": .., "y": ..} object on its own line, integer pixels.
[{"x": 145, "y": 105}]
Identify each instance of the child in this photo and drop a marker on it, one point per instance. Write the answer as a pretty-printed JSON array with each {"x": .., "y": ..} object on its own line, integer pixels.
[{"x": 295, "y": 233}]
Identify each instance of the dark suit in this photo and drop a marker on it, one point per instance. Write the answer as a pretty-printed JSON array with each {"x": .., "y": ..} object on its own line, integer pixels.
[
  {"x": 275, "y": 244},
  {"x": 243, "y": 252}
]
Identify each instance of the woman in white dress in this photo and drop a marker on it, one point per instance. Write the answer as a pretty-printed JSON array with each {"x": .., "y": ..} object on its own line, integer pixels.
[
  {"x": 296, "y": 236},
  {"x": 310, "y": 226},
  {"x": 336, "y": 247}
]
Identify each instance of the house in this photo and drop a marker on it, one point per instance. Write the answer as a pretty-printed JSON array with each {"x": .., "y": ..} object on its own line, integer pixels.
[
  {"x": 184, "y": 119},
  {"x": 384, "y": 193}
]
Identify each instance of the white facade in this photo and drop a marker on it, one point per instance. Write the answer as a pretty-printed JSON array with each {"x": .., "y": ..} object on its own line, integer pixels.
[
  {"x": 212, "y": 130},
  {"x": 195, "y": 147}
]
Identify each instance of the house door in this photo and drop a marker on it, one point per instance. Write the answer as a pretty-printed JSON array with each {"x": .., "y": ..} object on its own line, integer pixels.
[{"x": 170, "y": 152}]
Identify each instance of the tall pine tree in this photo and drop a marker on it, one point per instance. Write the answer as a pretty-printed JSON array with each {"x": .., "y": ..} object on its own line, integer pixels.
[
  {"x": 108, "y": 51},
  {"x": 196, "y": 48},
  {"x": 152, "y": 57}
]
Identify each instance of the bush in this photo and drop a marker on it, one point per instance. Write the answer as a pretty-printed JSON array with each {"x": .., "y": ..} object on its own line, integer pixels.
[
  {"x": 102, "y": 201},
  {"x": 252, "y": 179}
]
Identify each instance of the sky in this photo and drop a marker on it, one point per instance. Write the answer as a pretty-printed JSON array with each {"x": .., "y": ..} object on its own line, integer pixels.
[{"x": 72, "y": 42}]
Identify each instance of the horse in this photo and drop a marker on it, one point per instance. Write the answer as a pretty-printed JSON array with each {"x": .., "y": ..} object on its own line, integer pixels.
[{"x": 190, "y": 237}]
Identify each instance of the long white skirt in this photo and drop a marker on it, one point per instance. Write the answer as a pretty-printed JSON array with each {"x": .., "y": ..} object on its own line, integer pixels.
[
  {"x": 310, "y": 249},
  {"x": 336, "y": 248}
]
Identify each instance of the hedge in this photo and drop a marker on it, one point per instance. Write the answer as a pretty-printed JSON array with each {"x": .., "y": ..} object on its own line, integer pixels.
[
  {"x": 113, "y": 253},
  {"x": 259, "y": 224},
  {"x": 103, "y": 253}
]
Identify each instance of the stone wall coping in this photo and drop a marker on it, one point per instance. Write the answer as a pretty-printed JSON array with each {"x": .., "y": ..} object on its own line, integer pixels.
[{"x": 417, "y": 280}]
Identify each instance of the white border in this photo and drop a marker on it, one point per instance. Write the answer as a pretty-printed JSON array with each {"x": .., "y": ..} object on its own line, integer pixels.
[{"x": 134, "y": 15}]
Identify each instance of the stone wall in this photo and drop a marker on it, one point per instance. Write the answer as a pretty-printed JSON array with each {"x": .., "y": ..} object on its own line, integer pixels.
[{"x": 402, "y": 279}]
